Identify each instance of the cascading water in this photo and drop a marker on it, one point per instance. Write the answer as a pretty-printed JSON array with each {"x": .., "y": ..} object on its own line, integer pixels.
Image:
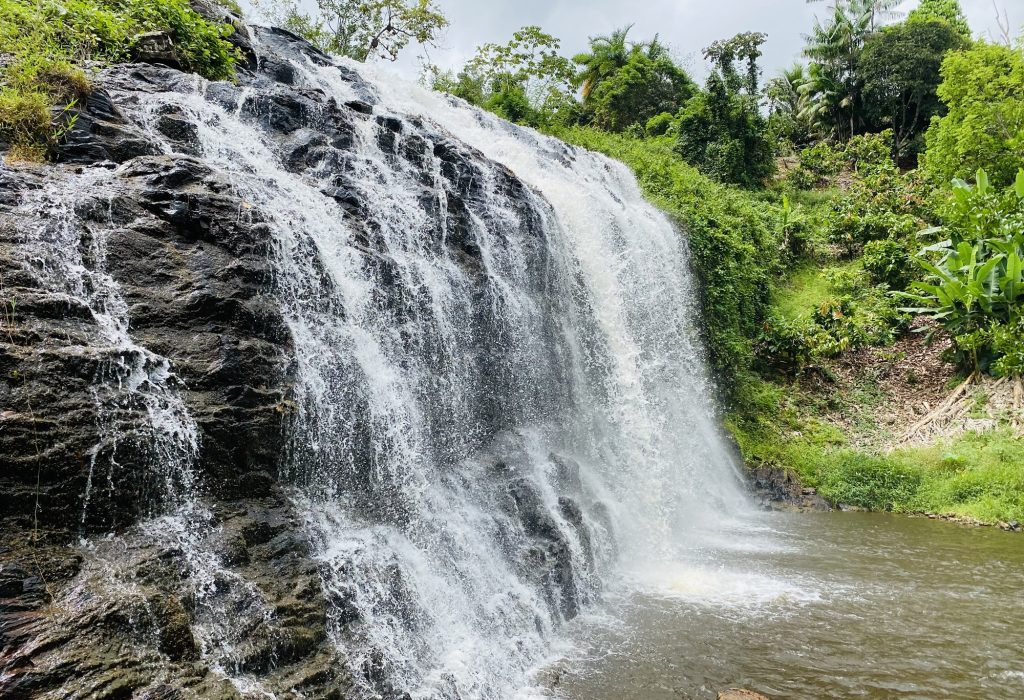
[{"x": 499, "y": 399}]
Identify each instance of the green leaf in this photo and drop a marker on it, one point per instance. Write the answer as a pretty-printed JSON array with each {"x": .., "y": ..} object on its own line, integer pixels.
[{"x": 982, "y": 180}]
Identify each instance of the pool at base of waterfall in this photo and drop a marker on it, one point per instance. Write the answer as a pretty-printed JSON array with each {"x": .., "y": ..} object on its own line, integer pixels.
[{"x": 833, "y": 605}]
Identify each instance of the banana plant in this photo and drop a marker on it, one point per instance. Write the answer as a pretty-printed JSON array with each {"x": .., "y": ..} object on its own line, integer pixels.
[{"x": 975, "y": 277}]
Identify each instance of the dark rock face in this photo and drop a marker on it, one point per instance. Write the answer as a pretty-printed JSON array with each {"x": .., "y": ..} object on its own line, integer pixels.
[
  {"x": 188, "y": 268},
  {"x": 781, "y": 489},
  {"x": 127, "y": 617}
]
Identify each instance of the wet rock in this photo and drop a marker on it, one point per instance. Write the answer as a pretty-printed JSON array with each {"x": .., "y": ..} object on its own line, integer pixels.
[
  {"x": 781, "y": 488},
  {"x": 99, "y": 133},
  {"x": 192, "y": 260},
  {"x": 156, "y": 47}
]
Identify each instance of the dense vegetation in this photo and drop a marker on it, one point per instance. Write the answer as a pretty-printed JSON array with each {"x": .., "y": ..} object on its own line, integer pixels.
[
  {"x": 46, "y": 44},
  {"x": 872, "y": 192}
]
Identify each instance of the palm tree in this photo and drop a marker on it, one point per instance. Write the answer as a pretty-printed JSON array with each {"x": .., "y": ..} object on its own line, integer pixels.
[
  {"x": 834, "y": 85},
  {"x": 607, "y": 55}
]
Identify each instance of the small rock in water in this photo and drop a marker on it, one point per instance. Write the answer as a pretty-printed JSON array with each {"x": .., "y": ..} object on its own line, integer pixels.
[{"x": 741, "y": 694}]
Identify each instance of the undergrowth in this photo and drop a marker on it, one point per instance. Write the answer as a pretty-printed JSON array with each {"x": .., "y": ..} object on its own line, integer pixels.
[
  {"x": 974, "y": 475},
  {"x": 44, "y": 45}
]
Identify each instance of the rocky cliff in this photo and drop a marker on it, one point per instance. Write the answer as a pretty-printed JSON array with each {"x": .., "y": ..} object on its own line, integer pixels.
[{"x": 82, "y": 616}]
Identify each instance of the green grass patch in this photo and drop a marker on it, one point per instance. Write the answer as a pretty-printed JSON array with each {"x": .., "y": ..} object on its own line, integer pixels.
[{"x": 977, "y": 475}]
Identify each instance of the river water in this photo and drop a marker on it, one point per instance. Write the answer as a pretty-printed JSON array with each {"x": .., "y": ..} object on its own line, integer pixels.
[{"x": 834, "y": 605}]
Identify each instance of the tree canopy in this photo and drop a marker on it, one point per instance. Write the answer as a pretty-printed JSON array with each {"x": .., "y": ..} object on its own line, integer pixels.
[{"x": 900, "y": 69}]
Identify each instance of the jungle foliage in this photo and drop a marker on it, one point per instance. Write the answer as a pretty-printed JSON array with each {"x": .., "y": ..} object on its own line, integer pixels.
[{"x": 48, "y": 42}]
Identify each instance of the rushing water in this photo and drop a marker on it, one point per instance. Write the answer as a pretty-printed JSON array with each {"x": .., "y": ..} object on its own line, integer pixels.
[
  {"x": 501, "y": 395},
  {"x": 824, "y": 605}
]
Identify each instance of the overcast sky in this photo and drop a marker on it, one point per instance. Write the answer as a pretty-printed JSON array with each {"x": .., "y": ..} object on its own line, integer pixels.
[{"x": 685, "y": 25}]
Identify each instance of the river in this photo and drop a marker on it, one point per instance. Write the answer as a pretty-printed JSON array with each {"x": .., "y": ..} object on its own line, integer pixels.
[{"x": 837, "y": 605}]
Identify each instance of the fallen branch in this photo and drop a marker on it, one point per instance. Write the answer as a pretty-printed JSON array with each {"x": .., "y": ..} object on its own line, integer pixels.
[{"x": 939, "y": 411}]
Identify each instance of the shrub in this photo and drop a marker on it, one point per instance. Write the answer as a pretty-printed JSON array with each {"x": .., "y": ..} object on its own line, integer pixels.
[
  {"x": 871, "y": 482},
  {"x": 659, "y": 124},
  {"x": 818, "y": 165},
  {"x": 1008, "y": 347},
  {"x": 975, "y": 277},
  {"x": 888, "y": 262},
  {"x": 785, "y": 345},
  {"x": 722, "y": 133},
  {"x": 983, "y": 89}
]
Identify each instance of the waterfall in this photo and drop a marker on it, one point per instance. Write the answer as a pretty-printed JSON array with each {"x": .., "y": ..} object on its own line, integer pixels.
[{"x": 500, "y": 398}]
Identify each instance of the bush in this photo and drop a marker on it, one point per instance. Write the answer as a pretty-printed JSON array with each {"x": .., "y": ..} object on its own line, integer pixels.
[
  {"x": 818, "y": 165},
  {"x": 785, "y": 345},
  {"x": 888, "y": 262},
  {"x": 880, "y": 202},
  {"x": 877, "y": 483},
  {"x": 724, "y": 135},
  {"x": 1008, "y": 347},
  {"x": 660, "y": 124},
  {"x": 975, "y": 277},
  {"x": 983, "y": 89}
]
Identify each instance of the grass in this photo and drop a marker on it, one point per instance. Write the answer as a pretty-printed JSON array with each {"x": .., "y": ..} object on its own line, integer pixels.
[
  {"x": 808, "y": 287},
  {"x": 976, "y": 475},
  {"x": 778, "y": 422}
]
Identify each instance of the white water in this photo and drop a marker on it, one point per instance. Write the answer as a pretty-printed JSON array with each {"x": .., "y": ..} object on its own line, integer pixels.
[{"x": 483, "y": 441}]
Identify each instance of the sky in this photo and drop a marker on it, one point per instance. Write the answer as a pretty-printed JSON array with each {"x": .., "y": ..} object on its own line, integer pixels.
[{"x": 685, "y": 25}]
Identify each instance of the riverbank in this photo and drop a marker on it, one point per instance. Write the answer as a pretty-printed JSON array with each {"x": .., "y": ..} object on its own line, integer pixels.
[
  {"x": 822, "y": 374},
  {"x": 891, "y": 427}
]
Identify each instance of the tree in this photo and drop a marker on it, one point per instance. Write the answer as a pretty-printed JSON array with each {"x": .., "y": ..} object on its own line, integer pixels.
[
  {"x": 983, "y": 90},
  {"x": 360, "y": 29},
  {"x": 900, "y": 69},
  {"x": 724, "y": 135},
  {"x": 744, "y": 47},
  {"x": 525, "y": 80},
  {"x": 607, "y": 55},
  {"x": 833, "y": 87},
  {"x": 948, "y": 11},
  {"x": 643, "y": 88},
  {"x": 788, "y": 106}
]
